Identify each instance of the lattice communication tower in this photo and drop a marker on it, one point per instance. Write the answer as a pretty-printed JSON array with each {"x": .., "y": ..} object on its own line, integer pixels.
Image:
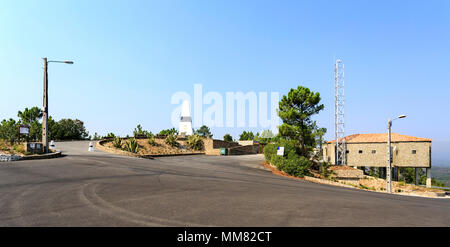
[{"x": 339, "y": 113}]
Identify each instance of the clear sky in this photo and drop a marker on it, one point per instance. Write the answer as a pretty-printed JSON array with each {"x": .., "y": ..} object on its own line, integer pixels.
[{"x": 132, "y": 56}]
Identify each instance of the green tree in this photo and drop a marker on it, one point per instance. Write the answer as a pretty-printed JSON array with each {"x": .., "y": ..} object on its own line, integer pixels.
[
  {"x": 35, "y": 131},
  {"x": 246, "y": 136},
  {"x": 52, "y": 128},
  {"x": 227, "y": 138},
  {"x": 408, "y": 175},
  {"x": 28, "y": 116},
  {"x": 266, "y": 136},
  {"x": 318, "y": 134},
  {"x": 31, "y": 118},
  {"x": 204, "y": 131},
  {"x": 139, "y": 132},
  {"x": 68, "y": 129},
  {"x": 8, "y": 130},
  {"x": 296, "y": 110}
]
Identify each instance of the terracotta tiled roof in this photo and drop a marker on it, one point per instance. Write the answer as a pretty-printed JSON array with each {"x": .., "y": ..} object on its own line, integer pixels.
[{"x": 382, "y": 137}]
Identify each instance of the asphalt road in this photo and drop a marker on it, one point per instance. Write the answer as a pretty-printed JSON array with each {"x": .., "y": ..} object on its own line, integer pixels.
[{"x": 99, "y": 189}]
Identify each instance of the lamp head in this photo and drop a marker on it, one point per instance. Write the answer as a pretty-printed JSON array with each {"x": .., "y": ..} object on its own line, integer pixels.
[{"x": 68, "y": 62}]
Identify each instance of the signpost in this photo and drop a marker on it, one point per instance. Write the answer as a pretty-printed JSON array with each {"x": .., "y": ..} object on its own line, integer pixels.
[{"x": 23, "y": 130}]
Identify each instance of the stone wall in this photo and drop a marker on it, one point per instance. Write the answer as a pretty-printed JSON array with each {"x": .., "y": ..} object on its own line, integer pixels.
[
  {"x": 249, "y": 149},
  {"x": 375, "y": 154},
  {"x": 246, "y": 143},
  {"x": 212, "y": 147}
]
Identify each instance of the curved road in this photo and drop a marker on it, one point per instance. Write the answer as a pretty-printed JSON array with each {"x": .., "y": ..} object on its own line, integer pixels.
[{"x": 99, "y": 189}]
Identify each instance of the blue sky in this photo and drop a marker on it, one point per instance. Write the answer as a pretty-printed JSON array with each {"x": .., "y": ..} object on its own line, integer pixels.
[{"x": 132, "y": 56}]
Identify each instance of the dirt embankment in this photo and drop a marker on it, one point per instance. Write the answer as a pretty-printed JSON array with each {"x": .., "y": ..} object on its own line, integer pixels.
[
  {"x": 366, "y": 183},
  {"x": 161, "y": 147}
]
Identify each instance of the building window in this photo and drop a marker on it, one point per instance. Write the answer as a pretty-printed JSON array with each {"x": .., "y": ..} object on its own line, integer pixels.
[
  {"x": 414, "y": 152},
  {"x": 360, "y": 151},
  {"x": 346, "y": 151},
  {"x": 374, "y": 151}
]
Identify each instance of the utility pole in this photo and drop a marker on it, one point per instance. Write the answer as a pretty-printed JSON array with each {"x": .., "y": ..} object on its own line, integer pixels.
[
  {"x": 389, "y": 162},
  {"x": 45, "y": 109},
  {"x": 388, "y": 167}
]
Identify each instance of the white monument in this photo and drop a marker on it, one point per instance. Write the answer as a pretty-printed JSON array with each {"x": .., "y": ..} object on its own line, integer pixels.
[{"x": 185, "y": 120}]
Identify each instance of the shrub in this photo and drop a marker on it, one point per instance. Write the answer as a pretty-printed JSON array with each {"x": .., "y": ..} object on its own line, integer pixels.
[
  {"x": 131, "y": 146},
  {"x": 149, "y": 134},
  {"x": 167, "y": 132},
  {"x": 293, "y": 164},
  {"x": 109, "y": 135},
  {"x": 325, "y": 169},
  {"x": 151, "y": 141},
  {"x": 117, "y": 142},
  {"x": 172, "y": 140},
  {"x": 19, "y": 148},
  {"x": 195, "y": 142},
  {"x": 362, "y": 186},
  {"x": 139, "y": 132},
  {"x": 271, "y": 149},
  {"x": 297, "y": 165}
]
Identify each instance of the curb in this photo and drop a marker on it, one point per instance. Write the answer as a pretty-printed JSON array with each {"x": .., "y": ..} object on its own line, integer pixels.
[{"x": 42, "y": 156}]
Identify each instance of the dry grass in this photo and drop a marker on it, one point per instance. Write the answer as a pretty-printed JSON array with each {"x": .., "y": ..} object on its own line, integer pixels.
[
  {"x": 366, "y": 183},
  {"x": 160, "y": 148},
  {"x": 7, "y": 148},
  {"x": 379, "y": 184}
]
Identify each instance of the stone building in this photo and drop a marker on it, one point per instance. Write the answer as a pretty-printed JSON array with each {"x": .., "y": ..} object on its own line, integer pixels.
[{"x": 370, "y": 150}]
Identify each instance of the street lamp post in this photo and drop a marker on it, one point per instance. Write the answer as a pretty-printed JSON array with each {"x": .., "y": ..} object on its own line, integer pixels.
[
  {"x": 389, "y": 164},
  {"x": 45, "y": 108}
]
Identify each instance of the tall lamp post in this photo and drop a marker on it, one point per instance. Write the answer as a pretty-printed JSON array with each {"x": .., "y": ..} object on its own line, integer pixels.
[
  {"x": 45, "y": 115},
  {"x": 389, "y": 164}
]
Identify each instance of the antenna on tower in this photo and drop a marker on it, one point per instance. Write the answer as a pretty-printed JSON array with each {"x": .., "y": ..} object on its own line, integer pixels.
[{"x": 339, "y": 113}]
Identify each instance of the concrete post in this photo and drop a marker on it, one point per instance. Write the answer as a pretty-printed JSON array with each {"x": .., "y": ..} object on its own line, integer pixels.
[
  {"x": 428, "y": 177},
  {"x": 389, "y": 160},
  {"x": 417, "y": 175},
  {"x": 45, "y": 109}
]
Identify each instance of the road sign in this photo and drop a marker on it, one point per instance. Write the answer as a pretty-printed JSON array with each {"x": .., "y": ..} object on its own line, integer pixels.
[{"x": 280, "y": 151}]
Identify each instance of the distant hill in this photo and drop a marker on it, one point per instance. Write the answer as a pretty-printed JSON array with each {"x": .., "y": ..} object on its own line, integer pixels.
[{"x": 441, "y": 174}]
